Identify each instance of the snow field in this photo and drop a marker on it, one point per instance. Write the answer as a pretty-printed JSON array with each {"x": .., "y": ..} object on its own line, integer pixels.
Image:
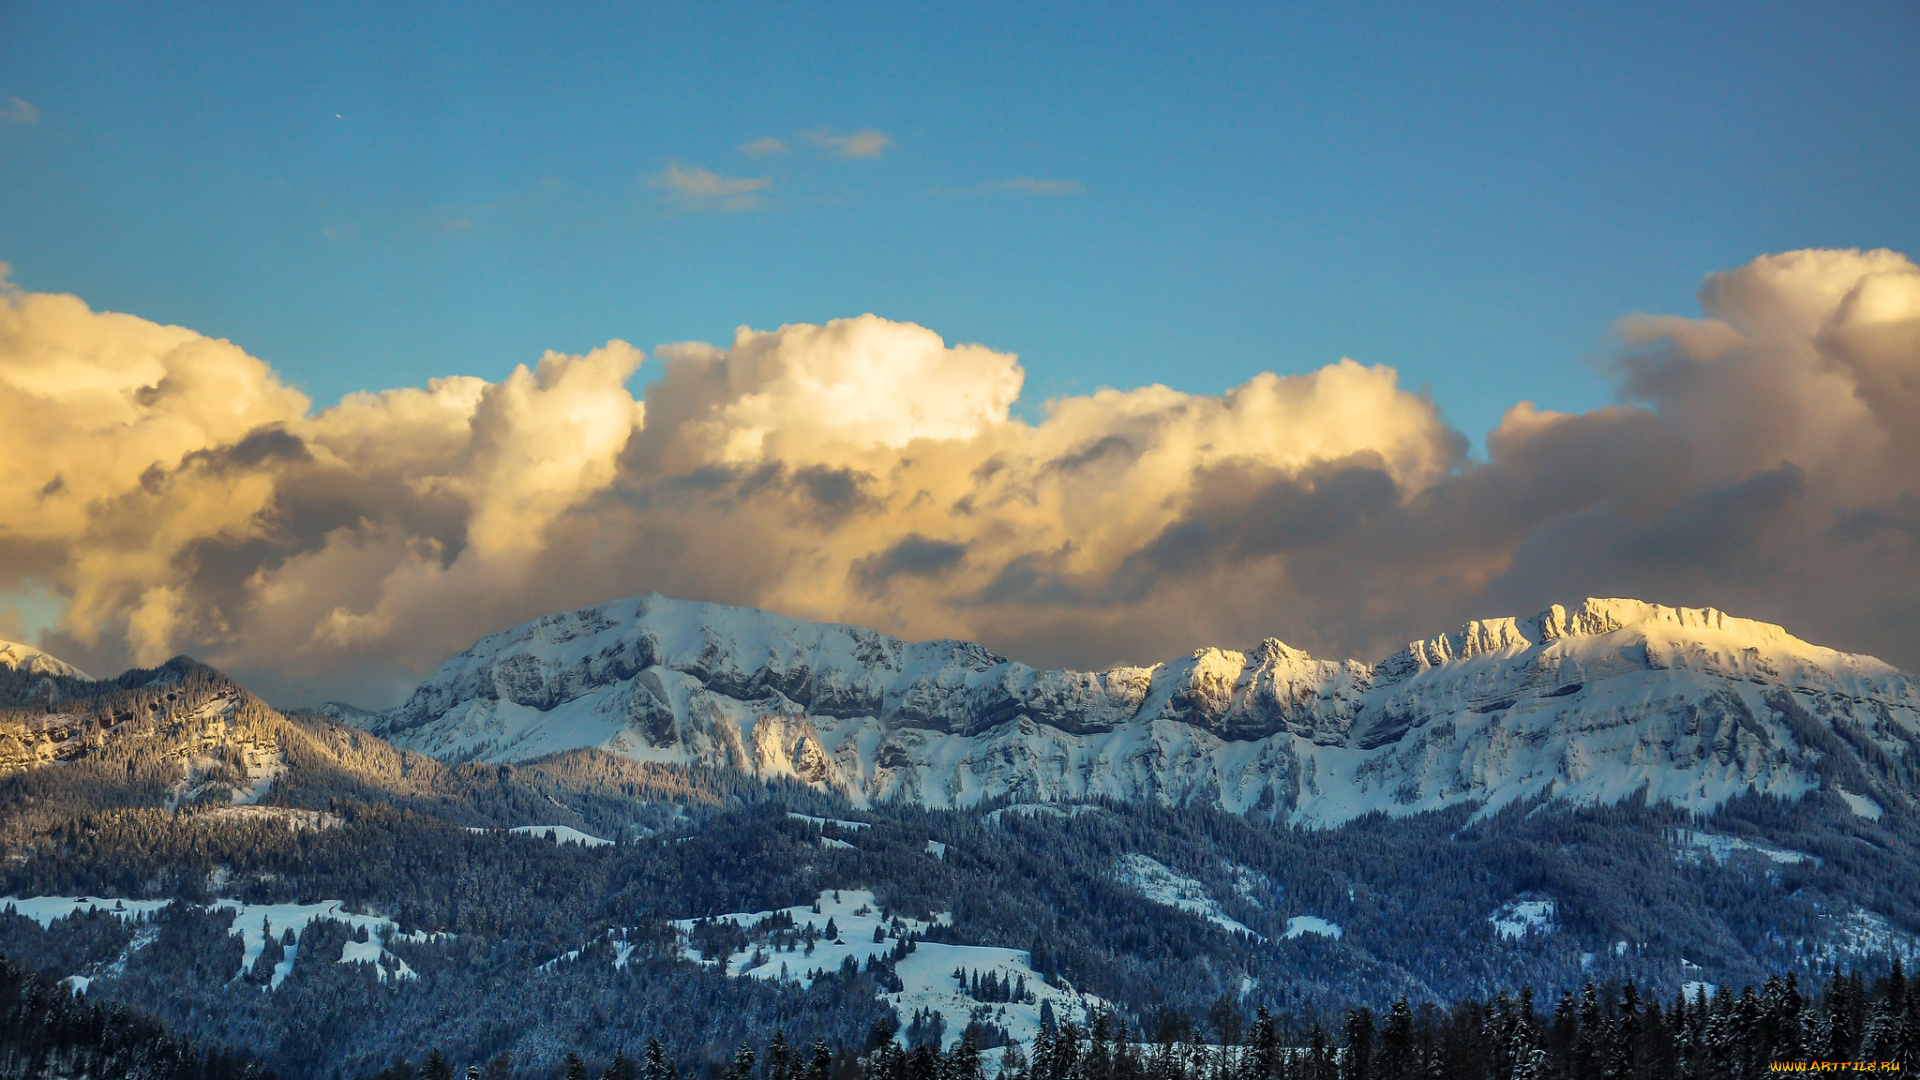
[
  {"x": 1159, "y": 883},
  {"x": 851, "y": 826},
  {"x": 926, "y": 974},
  {"x": 45, "y": 909},
  {"x": 1516, "y": 917},
  {"x": 562, "y": 834},
  {"x": 247, "y": 925},
  {"x": 1861, "y": 805},
  {"x": 1722, "y": 848},
  {"x": 1312, "y": 924}
]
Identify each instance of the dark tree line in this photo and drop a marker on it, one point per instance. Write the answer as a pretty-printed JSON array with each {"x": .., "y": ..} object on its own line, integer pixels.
[
  {"x": 48, "y": 1031},
  {"x": 1600, "y": 1033}
]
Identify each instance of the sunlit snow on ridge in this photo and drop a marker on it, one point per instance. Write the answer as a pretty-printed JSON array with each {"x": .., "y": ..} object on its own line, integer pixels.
[{"x": 1592, "y": 704}]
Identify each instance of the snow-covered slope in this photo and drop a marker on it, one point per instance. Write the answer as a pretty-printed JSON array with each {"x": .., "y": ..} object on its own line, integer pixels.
[
  {"x": 31, "y": 661},
  {"x": 1592, "y": 703}
]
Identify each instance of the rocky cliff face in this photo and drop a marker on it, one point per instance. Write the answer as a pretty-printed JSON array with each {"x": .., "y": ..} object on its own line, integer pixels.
[{"x": 1591, "y": 703}]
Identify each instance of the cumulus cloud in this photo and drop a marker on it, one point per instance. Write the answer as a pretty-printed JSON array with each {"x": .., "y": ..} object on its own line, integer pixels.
[
  {"x": 707, "y": 189},
  {"x": 866, "y": 143},
  {"x": 175, "y": 495},
  {"x": 18, "y": 111},
  {"x": 761, "y": 147}
]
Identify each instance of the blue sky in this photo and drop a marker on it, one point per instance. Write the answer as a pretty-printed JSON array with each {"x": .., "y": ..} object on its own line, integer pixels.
[{"x": 1471, "y": 194}]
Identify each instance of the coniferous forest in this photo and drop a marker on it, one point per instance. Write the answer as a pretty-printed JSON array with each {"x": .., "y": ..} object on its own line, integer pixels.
[{"x": 1599, "y": 1033}]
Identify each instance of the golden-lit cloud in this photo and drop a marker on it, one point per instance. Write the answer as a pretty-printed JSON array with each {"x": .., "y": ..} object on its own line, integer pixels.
[
  {"x": 762, "y": 146},
  {"x": 175, "y": 495},
  {"x": 18, "y": 111}
]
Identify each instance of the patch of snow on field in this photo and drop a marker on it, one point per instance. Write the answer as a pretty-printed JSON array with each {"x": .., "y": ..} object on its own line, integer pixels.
[
  {"x": 1722, "y": 848},
  {"x": 1312, "y": 924},
  {"x": 295, "y": 819},
  {"x": 1516, "y": 917},
  {"x": 1861, "y": 805},
  {"x": 824, "y": 822},
  {"x": 562, "y": 834},
  {"x": 1861, "y": 934},
  {"x": 926, "y": 974},
  {"x": 45, "y": 909},
  {"x": 1070, "y": 810},
  {"x": 937, "y": 849},
  {"x": 279, "y": 918},
  {"x": 1157, "y": 882},
  {"x": 247, "y": 925},
  {"x": 831, "y": 844}
]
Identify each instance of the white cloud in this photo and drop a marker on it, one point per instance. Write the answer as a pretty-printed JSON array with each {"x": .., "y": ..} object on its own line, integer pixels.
[
  {"x": 866, "y": 143},
  {"x": 761, "y": 147},
  {"x": 17, "y": 111},
  {"x": 706, "y": 188}
]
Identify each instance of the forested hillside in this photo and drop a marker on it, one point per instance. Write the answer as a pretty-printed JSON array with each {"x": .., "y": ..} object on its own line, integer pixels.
[{"x": 301, "y": 888}]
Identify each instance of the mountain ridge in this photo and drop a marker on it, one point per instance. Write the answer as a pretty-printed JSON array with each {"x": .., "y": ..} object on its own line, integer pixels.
[{"x": 1591, "y": 702}]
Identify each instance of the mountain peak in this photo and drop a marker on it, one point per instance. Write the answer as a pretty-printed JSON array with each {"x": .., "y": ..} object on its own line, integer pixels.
[
  {"x": 31, "y": 661},
  {"x": 1595, "y": 702}
]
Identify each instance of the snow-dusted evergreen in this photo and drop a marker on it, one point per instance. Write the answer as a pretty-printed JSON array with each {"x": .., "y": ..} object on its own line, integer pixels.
[{"x": 1590, "y": 704}]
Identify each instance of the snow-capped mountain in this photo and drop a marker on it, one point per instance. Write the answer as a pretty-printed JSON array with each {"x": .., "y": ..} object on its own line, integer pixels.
[
  {"x": 31, "y": 661},
  {"x": 1593, "y": 703}
]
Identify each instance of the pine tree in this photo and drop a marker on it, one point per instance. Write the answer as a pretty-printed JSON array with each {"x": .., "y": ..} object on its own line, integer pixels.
[
  {"x": 779, "y": 1058},
  {"x": 742, "y": 1067},
  {"x": 964, "y": 1062},
  {"x": 1359, "y": 1035},
  {"x": 620, "y": 1068},
  {"x": 1397, "y": 1058},
  {"x": 656, "y": 1066},
  {"x": 1265, "y": 1060},
  {"x": 436, "y": 1067},
  {"x": 821, "y": 1067},
  {"x": 574, "y": 1068}
]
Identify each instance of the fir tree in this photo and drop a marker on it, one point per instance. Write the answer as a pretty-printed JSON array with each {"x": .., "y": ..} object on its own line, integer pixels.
[{"x": 656, "y": 1066}]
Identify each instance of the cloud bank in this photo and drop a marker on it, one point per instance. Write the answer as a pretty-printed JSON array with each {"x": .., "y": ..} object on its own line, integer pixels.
[{"x": 177, "y": 496}]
